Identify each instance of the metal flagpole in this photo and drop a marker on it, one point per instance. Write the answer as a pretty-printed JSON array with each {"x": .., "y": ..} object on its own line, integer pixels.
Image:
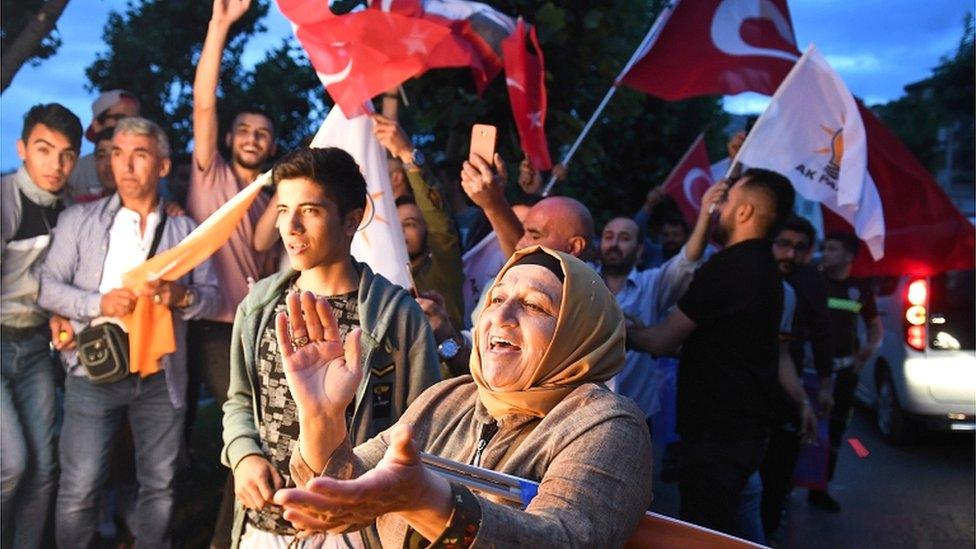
[{"x": 641, "y": 50}]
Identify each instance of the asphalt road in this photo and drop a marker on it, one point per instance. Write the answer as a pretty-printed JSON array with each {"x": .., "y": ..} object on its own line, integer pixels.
[{"x": 920, "y": 495}]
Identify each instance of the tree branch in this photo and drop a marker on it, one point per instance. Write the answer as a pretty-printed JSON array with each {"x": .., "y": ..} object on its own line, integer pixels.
[{"x": 23, "y": 48}]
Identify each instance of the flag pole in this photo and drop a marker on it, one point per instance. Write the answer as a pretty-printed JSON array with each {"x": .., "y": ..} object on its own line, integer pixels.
[
  {"x": 776, "y": 94},
  {"x": 641, "y": 50}
]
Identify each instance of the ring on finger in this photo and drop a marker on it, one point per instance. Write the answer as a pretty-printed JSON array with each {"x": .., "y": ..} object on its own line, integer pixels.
[{"x": 300, "y": 341}]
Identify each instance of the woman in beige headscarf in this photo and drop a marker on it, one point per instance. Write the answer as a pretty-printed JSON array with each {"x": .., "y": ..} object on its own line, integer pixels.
[{"x": 535, "y": 407}]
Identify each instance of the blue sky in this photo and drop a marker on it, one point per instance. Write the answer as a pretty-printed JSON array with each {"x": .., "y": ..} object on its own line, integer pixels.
[{"x": 877, "y": 46}]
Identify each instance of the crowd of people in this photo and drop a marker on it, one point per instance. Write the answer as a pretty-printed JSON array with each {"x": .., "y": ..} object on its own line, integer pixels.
[{"x": 332, "y": 380}]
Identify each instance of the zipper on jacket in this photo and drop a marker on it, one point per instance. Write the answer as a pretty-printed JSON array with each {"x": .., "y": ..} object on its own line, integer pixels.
[{"x": 488, "y": 431}]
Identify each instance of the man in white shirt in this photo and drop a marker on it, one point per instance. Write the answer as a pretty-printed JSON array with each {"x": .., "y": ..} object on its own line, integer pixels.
[{"x": 94, "y": 244}]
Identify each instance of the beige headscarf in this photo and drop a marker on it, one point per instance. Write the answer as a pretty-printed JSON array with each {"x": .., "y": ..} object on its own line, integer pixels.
[{"x": 587, "y": 345}]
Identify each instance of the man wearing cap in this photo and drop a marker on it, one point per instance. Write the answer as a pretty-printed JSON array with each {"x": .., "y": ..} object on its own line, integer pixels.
[
  {"x": 84, "y": 184},
  {"x": 213, "y": 182}
]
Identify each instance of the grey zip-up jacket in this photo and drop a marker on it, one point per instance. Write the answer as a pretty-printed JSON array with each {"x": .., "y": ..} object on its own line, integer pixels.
[
  {"x": 398, "y": 352},
  {"x": 25, "y": 243}
]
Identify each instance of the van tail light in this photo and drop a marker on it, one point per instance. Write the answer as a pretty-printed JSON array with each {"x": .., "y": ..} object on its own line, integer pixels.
[{"x": 916, "y": 315}]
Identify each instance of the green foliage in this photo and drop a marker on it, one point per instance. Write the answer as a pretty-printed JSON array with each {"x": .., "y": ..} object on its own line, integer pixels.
[
  {"x": 942, "y": 102},
  {"x": 14, "y": 15},
  {"x": 153, "y": 48}
]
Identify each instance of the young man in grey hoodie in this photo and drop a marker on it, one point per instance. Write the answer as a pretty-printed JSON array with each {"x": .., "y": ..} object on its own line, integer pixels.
[
  {"x": 321, "y": 199},
  {"x": 30, "y": 200}
]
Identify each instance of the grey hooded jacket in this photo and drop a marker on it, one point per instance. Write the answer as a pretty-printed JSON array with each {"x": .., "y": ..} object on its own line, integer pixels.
[{"x": 398, "y": 352}]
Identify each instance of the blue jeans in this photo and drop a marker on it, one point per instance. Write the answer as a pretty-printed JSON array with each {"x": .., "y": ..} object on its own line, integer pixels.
[
  {"x": 91, "y": 417},
  {"x": 28, "y": 470},
  {"x": 748, "y": 523}
]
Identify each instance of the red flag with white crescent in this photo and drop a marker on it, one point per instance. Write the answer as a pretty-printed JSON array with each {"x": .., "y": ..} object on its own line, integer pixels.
[
  {"x": 925, "y": 233},
  {"x": 525, "y": 77},
  {"x": 721, "y": 47},
  {"x": 689, "y": 180}
]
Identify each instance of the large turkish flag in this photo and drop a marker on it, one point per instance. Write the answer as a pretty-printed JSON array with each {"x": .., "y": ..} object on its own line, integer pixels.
[{"x": 720, "y": 47}]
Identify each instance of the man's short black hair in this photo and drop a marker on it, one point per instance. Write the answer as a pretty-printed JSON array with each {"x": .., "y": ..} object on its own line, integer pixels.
[
  {"x": 850, "y": 242},
  {"x": 800, "y": 225},
  {"x": 261, "y": 111},
  {"x": 331, "y": 168},
  {"x": 778, "y": 189},
  {"x": 54, "y": 116},
  {"x": 676, "y": 221},
  {"x": 404, "y": 200},
  {"x": 104, "y": 135}
]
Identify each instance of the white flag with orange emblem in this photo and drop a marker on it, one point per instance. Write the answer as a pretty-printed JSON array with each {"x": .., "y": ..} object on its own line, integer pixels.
[
  {"x": 379, "y": 242},
  {"x": 812, "y": 133}
]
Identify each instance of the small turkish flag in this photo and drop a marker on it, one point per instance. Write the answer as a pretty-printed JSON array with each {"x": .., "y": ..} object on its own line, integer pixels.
[
  {"x": 689, "y": 180},
  {"x": 717, "y": 47},
  {"x": 525, "y": 77}
]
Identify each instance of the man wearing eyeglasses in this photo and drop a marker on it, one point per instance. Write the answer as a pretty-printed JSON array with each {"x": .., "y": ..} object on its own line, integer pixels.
[
  {"x": 793, "y": 249},
  {"x": 84, "y": 184}
]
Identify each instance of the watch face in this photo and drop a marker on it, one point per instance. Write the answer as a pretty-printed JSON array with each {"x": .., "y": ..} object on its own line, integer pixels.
[{"x": 448, "y": 349}]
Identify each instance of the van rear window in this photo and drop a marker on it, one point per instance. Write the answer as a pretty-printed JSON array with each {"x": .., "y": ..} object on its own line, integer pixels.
[{"x": 951, "y": 306}]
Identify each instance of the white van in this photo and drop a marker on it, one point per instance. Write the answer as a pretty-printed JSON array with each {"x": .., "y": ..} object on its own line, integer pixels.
[{"x": 924, "y": 376}]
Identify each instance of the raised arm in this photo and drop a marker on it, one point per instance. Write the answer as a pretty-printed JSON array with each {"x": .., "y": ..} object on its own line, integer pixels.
[
  {"x": 225, "y": 13},
  {"x": 485, "y": 185}
]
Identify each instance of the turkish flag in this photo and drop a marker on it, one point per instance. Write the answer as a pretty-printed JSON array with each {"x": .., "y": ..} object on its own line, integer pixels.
[
  {"x": 689, "y": 180},
  {"x": 360, "y": 55},
  {"x": 477, "y": 32},
  {"x": 525, "y": 77},
  {"x": 924, "y": 232},
  {"x": 717, "y": 47}
]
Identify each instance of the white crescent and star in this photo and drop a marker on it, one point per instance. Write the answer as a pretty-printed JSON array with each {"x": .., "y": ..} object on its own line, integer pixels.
[
  {"x": 688, "y": 185},
  {"x": 728, "y": 37}
]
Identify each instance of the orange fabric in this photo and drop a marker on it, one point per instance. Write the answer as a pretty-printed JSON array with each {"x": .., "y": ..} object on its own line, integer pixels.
[
  {"x": 150, "y": 325},
  {"x": 656, "y": 531}
]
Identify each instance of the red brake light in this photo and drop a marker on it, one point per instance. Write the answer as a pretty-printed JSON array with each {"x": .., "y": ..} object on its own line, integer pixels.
[
  {"x": 918, "y": 292},
  {"x": 916, "y": 317},
  {"x": 916, "y": 337}
]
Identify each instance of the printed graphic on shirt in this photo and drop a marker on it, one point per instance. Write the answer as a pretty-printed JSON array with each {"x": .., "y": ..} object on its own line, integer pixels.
[{"x": 279, "y": 427}]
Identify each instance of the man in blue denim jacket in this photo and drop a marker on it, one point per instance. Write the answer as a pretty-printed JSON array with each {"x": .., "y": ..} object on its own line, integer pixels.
[{"x": 94, "y": 244}]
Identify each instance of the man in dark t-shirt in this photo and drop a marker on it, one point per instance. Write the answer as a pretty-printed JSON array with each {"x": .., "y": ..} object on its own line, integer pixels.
[
  {"x": 728, "y": 323},
  {"x": 847, "y": 299}
]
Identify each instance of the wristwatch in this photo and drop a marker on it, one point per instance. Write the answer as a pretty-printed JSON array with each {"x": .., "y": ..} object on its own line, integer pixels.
[
  {"x": 448, "y": 349},
  {"x": 416, "y": 159}
]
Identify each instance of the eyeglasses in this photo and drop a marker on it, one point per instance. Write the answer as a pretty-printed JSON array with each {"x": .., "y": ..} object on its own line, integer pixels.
[{"x": 799, "y": 247}]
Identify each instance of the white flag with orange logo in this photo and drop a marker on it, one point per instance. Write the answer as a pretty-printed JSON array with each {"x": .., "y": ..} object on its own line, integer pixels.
[
  {"x": 379, "y": 242},
  {"x": 812, "y": 133}
]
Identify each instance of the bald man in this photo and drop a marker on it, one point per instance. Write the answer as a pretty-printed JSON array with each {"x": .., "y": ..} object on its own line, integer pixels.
[
  {"x": 558, "y": 222},
  {"x": 646, "y": 296},
  {"x": 727, "y": 325}
]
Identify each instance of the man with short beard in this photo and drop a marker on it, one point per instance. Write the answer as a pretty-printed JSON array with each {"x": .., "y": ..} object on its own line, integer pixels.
[
  {"x": 727, "y": 326},
  {"x": 213, "y": 182},
  {"x": 792, "y": 248},
  {"x": 646, "y": 296}
]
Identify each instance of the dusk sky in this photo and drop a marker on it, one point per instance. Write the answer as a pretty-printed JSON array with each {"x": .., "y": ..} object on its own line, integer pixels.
[{"x": 877, "y": 46}]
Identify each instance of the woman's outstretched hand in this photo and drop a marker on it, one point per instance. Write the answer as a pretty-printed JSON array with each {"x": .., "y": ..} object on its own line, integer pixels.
[
  {"x": 323, "y": 376},
  {"x": 398, "y": 484}
]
